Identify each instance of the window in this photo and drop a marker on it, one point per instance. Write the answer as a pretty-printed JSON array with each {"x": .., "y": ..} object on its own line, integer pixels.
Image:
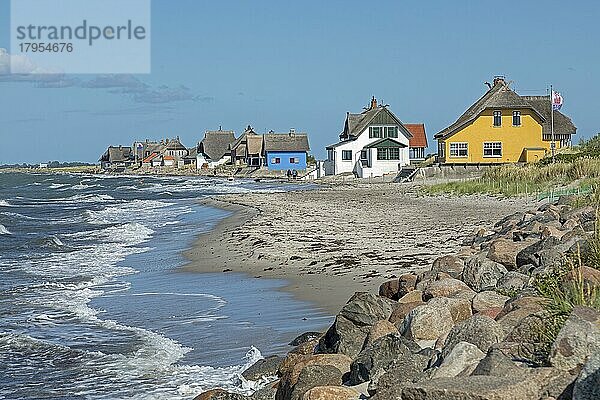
[
  {"x": 388, "y": 153},
  {"x": 459, "y": 149},
  {"x": 330, "y": 155},
  {"x": 516, "y": 118},
  {"x": 497, "y": 118},
  {"x": 363, "y": 154},
  {"x": 492, "y": 149},
  {"x": 375, "y": 132},
  {"x": 380, "y": 132},
  {"x": 294, "y": 160},
  {"x": 390, "y": 131},
  {"x": 276, "y": 160},
  {"x": 347, "y": 155}
]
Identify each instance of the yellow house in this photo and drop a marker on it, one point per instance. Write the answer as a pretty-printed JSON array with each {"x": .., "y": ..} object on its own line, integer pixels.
[{"x": 503, "y": 127}]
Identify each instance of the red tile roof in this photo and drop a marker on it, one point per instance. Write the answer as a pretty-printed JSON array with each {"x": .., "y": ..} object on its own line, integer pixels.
[
  {"x": 419, "y": 138},
  {"x": 150, "y": 158},
  {"x": 168, "y": 158}
]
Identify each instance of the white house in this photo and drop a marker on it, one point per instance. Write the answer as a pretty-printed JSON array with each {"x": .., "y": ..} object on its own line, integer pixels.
[
  {"x": 214, "y": 149},
  {"x": 373, "y": 143}
]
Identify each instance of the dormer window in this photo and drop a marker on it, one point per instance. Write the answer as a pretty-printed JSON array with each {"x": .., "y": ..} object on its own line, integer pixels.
[
  {"x": 497, "y": 118},
  {"x": 516, "y": 118}
]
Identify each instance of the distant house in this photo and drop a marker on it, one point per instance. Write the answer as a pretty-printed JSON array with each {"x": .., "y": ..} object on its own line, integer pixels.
[
  {"x": 146, "y": 148},
  {"x": 116, "y": 157},
  {"x": 504, "y": 127},
  {"x": 285, "y": 151},
  {"x": 191, "y": 157},
  {"x": 214, "y": 149},
  {"x": 417, "y": 145},
  {"x": 168, "y": 161},
  {"x": 248, "y": 149},
  {"x": 373, "y": 143},
  {"x": 175, "y": 149},
  {"x": 151, "y": 159}
]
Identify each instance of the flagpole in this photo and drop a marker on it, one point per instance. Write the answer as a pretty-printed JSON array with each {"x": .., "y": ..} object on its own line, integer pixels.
[{"x": 552, "y": 144}]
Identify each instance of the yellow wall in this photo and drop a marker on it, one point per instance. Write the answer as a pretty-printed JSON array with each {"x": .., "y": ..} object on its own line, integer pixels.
[{"x": 514, "y": 139}]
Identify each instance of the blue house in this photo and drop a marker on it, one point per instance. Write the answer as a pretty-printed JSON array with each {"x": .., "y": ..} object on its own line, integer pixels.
[{"x": 285, "y": 151}]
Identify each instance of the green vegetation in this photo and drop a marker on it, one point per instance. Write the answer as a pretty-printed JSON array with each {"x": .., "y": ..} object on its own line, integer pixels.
[
  {"x": 566, "y": 287},
  {"x": 576, "y": 172}
]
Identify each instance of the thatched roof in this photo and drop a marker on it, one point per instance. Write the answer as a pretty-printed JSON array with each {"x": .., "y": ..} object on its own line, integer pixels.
[
  {"x": 286, "y": 142},
  {"x": 254, "y": 144},
  {"x": 501, "y": 96},
  {"x": 562, "y": 124},
  {"x": 216, "y": 144},
  {"x": 174, "y": 144},
  {"x": 117, "y": 154}
]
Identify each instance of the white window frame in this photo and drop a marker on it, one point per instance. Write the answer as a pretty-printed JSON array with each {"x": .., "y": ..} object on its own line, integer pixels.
[
  {"x": 493, "y": 147},
  {"x": 459, "y": 146},
  {"x": 494, "y": 119},
  {"x": 515, "y": 114}
]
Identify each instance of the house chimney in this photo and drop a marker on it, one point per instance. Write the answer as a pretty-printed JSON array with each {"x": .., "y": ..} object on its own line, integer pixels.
[
  {"x": 499, "y": 80},
  {"x": 292, "y": 131},
  {"x": 373, "y": 103}
]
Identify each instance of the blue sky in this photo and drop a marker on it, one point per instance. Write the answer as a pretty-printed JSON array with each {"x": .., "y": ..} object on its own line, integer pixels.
[{"x": 277, "y": 65}]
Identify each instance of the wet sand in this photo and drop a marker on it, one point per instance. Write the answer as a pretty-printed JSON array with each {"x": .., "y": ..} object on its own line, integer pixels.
[{"x": 331, "y": 242}]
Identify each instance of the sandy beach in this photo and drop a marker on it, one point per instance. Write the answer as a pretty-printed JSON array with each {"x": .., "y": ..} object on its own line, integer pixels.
[{"x": 333, "y": 241}]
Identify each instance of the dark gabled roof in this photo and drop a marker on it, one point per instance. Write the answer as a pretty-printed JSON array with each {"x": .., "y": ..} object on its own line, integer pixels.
[
  {"x": 355, "y": 124},
  {"x": 385, "y": 142},
  {"x": 192, "y": 153},
  {"x": 286, "y": 142},
  {"x": 562, "y": 124},
  {"x": 175, "y": 144},
  {"x": 419, "y": 138},
  {"x": 501, "y": 96},
  {"x": 117, "y": 154},
  {"x": 216, "y": 144}
]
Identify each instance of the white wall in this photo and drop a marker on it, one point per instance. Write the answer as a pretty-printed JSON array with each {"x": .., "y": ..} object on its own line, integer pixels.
[
  {"x": 201, "y": 160},
  {"x": 378, "y": 167}
]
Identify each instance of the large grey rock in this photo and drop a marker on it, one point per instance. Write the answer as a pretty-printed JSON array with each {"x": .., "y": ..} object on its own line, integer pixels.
[
  {"x": 577, "y": 340},
  {"x": 304, "y": 338},
  {"x": 366, "y": 309},
  {"x": 505, "y": 252},
  {"x": 444, "y": 288},
  {"x": 267, "y": 367},
  {"x": 479, "y": 330},
  {"x": 344, "y": 337},
  {"x": 463, "y": 358},
  {"x": 530, "y": 385},
  {"x": 482, "y": 274},
  {"x": 451, "y": 265},
  {"x": 388, "y": 384},
  {"x": 267, "y": 393},
  {"x": 460, "y": 307},
  {"x": 529, "y": 254},
  {"x": 384, "y": 354},
  {"x": 496, "y": 363},
  {"x": 587, "y": 386},
  {"x": 488, "y": 299},
  {"x": 311, "y": 376},
  {"x": 331, "y": 393},
  {"x": 219, "y": 394},
  {"x": 512, "y": 281},
  {"x": 427, "y": 322}
]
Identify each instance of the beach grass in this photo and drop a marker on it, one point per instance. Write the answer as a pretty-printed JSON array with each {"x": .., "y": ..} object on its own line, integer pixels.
[{"x": 581, "y": 176}]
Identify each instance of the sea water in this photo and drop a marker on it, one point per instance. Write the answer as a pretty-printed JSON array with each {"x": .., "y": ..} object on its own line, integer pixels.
[{"x": 94, "y": 305}]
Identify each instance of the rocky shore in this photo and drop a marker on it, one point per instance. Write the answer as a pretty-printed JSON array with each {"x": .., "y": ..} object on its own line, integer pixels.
[{"x": 487, "y": 322}]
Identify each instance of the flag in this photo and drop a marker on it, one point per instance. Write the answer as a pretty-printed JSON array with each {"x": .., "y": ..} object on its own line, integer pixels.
[{"x": 557, "y": 100}]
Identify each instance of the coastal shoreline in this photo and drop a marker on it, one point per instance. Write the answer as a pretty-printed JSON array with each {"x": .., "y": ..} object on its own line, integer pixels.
[{"x": 300, "y": 236}]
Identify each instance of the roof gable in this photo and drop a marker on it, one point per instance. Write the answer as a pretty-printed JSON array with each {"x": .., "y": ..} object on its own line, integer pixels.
[
  {"x": 419, "y": 138},
  {"x": 286, "y": 142},
  {"x": 386, "y": 142},
  {"x": 216, "y": 144},
  {"x": 499, "y": 96},
  {"x": 562, "y": 124},
  {"x": 356, "y": 124}
]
